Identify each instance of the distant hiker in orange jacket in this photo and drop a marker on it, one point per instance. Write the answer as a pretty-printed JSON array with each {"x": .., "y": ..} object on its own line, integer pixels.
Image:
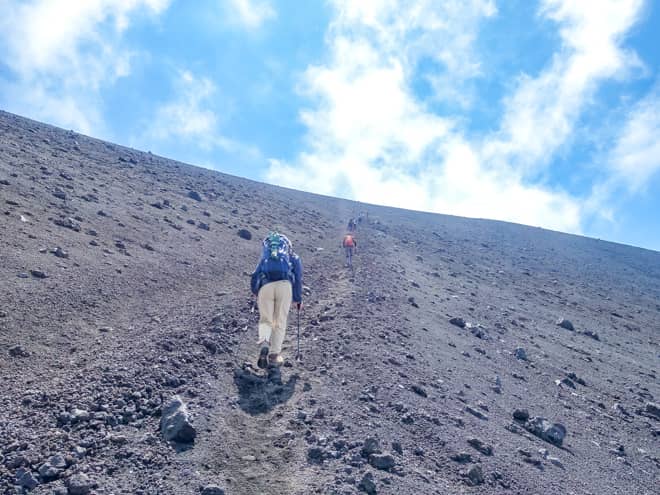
[
  {"x": 350, "y": 245},
  {"x": 276, "y": 280}
]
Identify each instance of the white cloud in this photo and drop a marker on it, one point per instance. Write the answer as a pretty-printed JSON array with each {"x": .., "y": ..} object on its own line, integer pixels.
[
  {"x": 61, "y": 52},
  {"x": 251, "y": 14},
  {"x": 541, "y": 114},
  {"x": 189, "y": 117},
  {"x": 370, "y": 138},
  {"x": 635, "y": 158}
]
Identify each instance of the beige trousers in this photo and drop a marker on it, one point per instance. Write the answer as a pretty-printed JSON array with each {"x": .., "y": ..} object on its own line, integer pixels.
[{"x": 274, "y": 302}]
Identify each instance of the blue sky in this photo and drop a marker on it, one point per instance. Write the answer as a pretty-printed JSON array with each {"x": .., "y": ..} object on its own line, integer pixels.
[{"x": 544, "y": 113}]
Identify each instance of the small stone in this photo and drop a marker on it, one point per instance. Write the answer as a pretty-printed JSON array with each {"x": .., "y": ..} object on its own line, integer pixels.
[
  {"x": 212, "y": 490},
  {"x": 419, "y": 391},
  {"x": 371, "y": 446},
  {"x": 57, "y": 461},
  {"x": 520, "y": 354},
  {"x": 68, "y": 223},
  {"x": 591, "y": 334},
  {"x": 79, "y": 415},
  {"x": 38, "y": 274},
  {"x": 459, "y": 322},
  {"x": 47, "y": 472},
  {"x": 567, "y": 381},
  {"x": 316, "y": 455},
  {"x": 105, "y": 329},
  {"x": 567, "y": 324},
  {"x": 475, "y": 475},
  {"x": 652, "y": 409},
  {"x": 203, "y": 226},
  {"x": 195, "y": 195},
  {"x": 25, "y": 479},
  {"x": 60, "y": 253},
  {"x": 367, "y": 484},
  {"x": 79, "y": 484},
  {"x": 384, "y": 462},
  {"x": 18, "y": 351},
  {"x": 461, "y": 457},
  {"x": 521, "y": 414},
  {"x": 544, "y": 429},
  {"x": 245, "y": 234},
  {"x": 480, "y": 446},
  {"x": 476, "y": 412}
]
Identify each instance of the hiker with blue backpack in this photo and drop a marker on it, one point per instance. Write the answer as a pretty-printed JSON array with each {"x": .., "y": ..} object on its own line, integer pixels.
[{"x": 276, "y": 281}]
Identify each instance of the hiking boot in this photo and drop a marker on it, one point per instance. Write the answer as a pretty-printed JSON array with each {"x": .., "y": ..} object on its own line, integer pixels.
[
  {"x": 275, "y": 359},
  {"x": 262, "y": 362}
]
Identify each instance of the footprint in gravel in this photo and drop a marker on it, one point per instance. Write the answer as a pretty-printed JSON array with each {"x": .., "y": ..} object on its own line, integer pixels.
[{"x": 259, "y": 394}]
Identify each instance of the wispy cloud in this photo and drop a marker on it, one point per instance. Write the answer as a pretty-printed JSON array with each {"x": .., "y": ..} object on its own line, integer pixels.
[
  {"x": 60, "y": 53},
  {"x": 189, "y": 116},
  {"x": 250, "y": 14},
  {"x": 369, "y": 137},
  {"x": 635, "y": 158}
]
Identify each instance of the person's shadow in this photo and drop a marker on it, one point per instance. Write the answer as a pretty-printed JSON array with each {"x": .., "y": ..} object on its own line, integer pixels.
[{"x": 259, "y": 394}]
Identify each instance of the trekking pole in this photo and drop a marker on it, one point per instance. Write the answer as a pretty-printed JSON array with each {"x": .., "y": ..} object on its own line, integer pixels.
[{"x": 298, "y": 355}]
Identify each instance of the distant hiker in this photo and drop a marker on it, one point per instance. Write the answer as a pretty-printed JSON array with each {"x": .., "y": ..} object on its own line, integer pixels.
[
  {"x": 351, "y": 225},
  {"x": 276, "y": 280},
  {"x": 350, "y": 245}
]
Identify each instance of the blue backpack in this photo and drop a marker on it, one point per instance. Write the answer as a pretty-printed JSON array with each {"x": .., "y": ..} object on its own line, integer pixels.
[{"x": 276, "y": 257}]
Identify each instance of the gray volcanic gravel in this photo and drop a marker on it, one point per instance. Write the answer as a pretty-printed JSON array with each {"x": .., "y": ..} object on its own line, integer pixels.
[{"x": 461, "y": 355}]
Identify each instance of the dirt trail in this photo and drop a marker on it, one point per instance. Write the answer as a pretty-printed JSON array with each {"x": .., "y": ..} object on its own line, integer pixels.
[{"x": 263, "y": 455}]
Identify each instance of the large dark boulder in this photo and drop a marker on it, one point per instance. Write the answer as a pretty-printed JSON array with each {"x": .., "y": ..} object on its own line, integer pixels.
[{"x": 175, "y": 424}]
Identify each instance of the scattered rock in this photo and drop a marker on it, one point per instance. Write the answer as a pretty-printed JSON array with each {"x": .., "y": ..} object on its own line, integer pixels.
[
  {"x": 245, "y": 234},
  {"x": 591, "y": 334},
  {"x": 79, "y": 484},
  {"x": 38, "y": 274},
  {"x": 67, "y": 223},
  {"x": 195, "y": 195},
  {"x": 419, "y": 390},
  {"x": 18, "y": 351},
  {"x": 60, "y": 253},
  {"x": 476, "y": 412},
  {"x": 475, "y": 475},
  {"x": 212, "y": 490},
  {"x": 316, "y": 455},
  {"x": 520, "y": 354},
  {"x": 545, "y": 430},
  {"x": 652, "y": 409},
  {"x": 175, "y": 422},
  {"x": 367, "y": 484},
  {"x": 564, "y": 323},
  {"x": 203, "y": 226},
  {"x": 384, "y": 462},
  {"x": 459, "y": 322},
  {"x": 521, "y": 414},
  {"x": 576, "y": 379},
  {"x": 480, "y": 446},
  {"x": 566, "y": 381},
  {"x": 371, "y": 446},
  {"x": 48, "y": 472},
  {"x": 25, "y": 479},
  {"x": 461, "y": 457}
]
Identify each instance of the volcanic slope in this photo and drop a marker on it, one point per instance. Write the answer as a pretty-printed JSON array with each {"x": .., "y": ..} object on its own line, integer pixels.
[{"x": 125, "y": 282}]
